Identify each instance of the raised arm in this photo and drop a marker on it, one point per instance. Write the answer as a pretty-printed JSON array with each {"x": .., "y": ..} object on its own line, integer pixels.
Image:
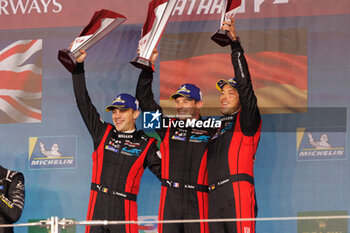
[
  {"x": 87, "y": 110},
  {"x": 144, "y": 93},
  {"x": 250, "y": 115}
]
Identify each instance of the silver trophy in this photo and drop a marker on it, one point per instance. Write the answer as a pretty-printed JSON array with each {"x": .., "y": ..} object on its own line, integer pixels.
[
  {"x": 102, "y": 23},
  {"x": 229, "y": 9},
  {"x": 158, "y": 15}
]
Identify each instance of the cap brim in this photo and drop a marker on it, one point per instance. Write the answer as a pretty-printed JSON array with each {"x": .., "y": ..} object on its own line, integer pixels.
[
  {"x": 111, "y": 107},
  {"x": 218, "y": 86},
  {"x": 223, "y": 83},
  {"x": 175, "y": 95}
]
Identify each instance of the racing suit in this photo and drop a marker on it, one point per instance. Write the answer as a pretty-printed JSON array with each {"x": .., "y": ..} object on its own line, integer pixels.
[
  {"x": 119, "y": 160},
  {"x": 184, "y": 191},
  {"x": 11, "y": 197},
  {"x": 231, "y": 155}
]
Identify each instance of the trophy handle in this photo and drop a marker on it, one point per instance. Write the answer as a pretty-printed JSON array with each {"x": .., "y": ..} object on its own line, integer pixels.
[
  {"x": 67, "y": 59},
  {"x": 222, "y": 37},
  {"x": 142, "y": 63}
]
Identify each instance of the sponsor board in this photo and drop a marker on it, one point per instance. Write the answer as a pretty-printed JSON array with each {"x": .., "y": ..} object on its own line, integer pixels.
[
  {"x": 52, "y": 152},
  {"x": 323, "y": 225},
  {"x": 20, "y": 14},
  {"x": 147, "y": 227},
  {"x": 320, "y": 144}
]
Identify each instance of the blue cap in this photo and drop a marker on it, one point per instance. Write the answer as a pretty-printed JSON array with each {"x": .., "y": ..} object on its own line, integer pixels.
[
  {"x": 124, "y": 101},
  {"x": 222, "y": 82},
  {"x": 189, "y": 91}
]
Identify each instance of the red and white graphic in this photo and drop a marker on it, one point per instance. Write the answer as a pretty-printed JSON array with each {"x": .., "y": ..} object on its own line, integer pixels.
[
  {"x": 157, "y": 17},
  {"x": 232, "y": 8},
  {"x": 101, "y": 23},
  {"x": 20, "y": 85}
]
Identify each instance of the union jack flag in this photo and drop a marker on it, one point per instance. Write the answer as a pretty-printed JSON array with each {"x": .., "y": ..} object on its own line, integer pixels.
[{"x": 20, "y": 82}]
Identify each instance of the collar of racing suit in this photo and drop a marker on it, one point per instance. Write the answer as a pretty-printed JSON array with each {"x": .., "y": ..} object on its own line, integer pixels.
[
  {"x": 228, "y": 117},
  {"x": 127, "y": 135}
]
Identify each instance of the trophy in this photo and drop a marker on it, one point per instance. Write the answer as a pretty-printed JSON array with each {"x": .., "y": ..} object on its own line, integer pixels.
[
  {"x": 102, "y": 23},
  {"x": 157, "y": 17},
  {"x": 229, "y": 9}
]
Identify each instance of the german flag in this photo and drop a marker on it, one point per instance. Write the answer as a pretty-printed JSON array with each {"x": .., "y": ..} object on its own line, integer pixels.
[{"x": 277, "y": 62}]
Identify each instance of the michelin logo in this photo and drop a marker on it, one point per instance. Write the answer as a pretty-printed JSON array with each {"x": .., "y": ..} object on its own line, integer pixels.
[
  {"x": 320, "y": 145},
  {"x": 52, "y": 152}
]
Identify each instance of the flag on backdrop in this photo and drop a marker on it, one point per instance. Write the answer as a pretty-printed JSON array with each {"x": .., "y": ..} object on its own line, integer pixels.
[
  {"x": 277, "y": 61},
  {"x": 20, "y": 82}
]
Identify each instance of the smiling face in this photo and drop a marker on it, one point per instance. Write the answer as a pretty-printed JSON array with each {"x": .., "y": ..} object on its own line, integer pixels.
[
  {"x": 124, "y": 119},
  {"x": 186, "y": 108},
  {"x": 229, "y": 100}
]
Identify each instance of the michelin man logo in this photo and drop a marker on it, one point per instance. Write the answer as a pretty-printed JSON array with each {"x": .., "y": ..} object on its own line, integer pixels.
[
  {"x": 53, "y": 152},
  {"x": 321, "y": 144},
  {"x": 151, "y": 120}
]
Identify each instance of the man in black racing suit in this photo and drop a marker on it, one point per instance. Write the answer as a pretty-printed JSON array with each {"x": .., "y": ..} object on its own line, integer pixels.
[
  {"x": 231, "y": 151},
  {"x": 120, "y": 157},
  {"x": 11, "y": 197},
  {"x": 184, "y": 191}
]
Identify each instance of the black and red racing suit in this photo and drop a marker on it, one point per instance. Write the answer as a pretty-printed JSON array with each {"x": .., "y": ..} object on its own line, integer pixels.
[
  {"x": 231, "y": 156},
  {"x": 184, "y": 191},
  {"x": 119, "y": 160},
  {"x": 12, "y": 194}
]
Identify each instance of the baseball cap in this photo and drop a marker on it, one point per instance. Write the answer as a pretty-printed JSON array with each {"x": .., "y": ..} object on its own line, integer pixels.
[
  {"x": 124, "y": 101},
  {"x": 222, "y": 82},
  {"x": 189, "y": 91}
]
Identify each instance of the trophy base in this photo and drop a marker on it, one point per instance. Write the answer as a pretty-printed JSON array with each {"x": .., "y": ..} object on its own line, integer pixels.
[
  {"x": 67, "y": 59},
  {"x": 142, "y": 63},
  {"x": 222, "y": 38}
]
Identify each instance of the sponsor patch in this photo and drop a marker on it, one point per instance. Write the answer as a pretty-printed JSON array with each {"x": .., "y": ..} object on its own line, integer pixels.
[
  {"x": 201, "y": 138},
  {"x": 131, "y": 144},
  {"x": 198, "y": 131},
  {"x": 111, "y": 148},
  {"x": 131, "y": 151},
  {"x": 175, "y": 137}
]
